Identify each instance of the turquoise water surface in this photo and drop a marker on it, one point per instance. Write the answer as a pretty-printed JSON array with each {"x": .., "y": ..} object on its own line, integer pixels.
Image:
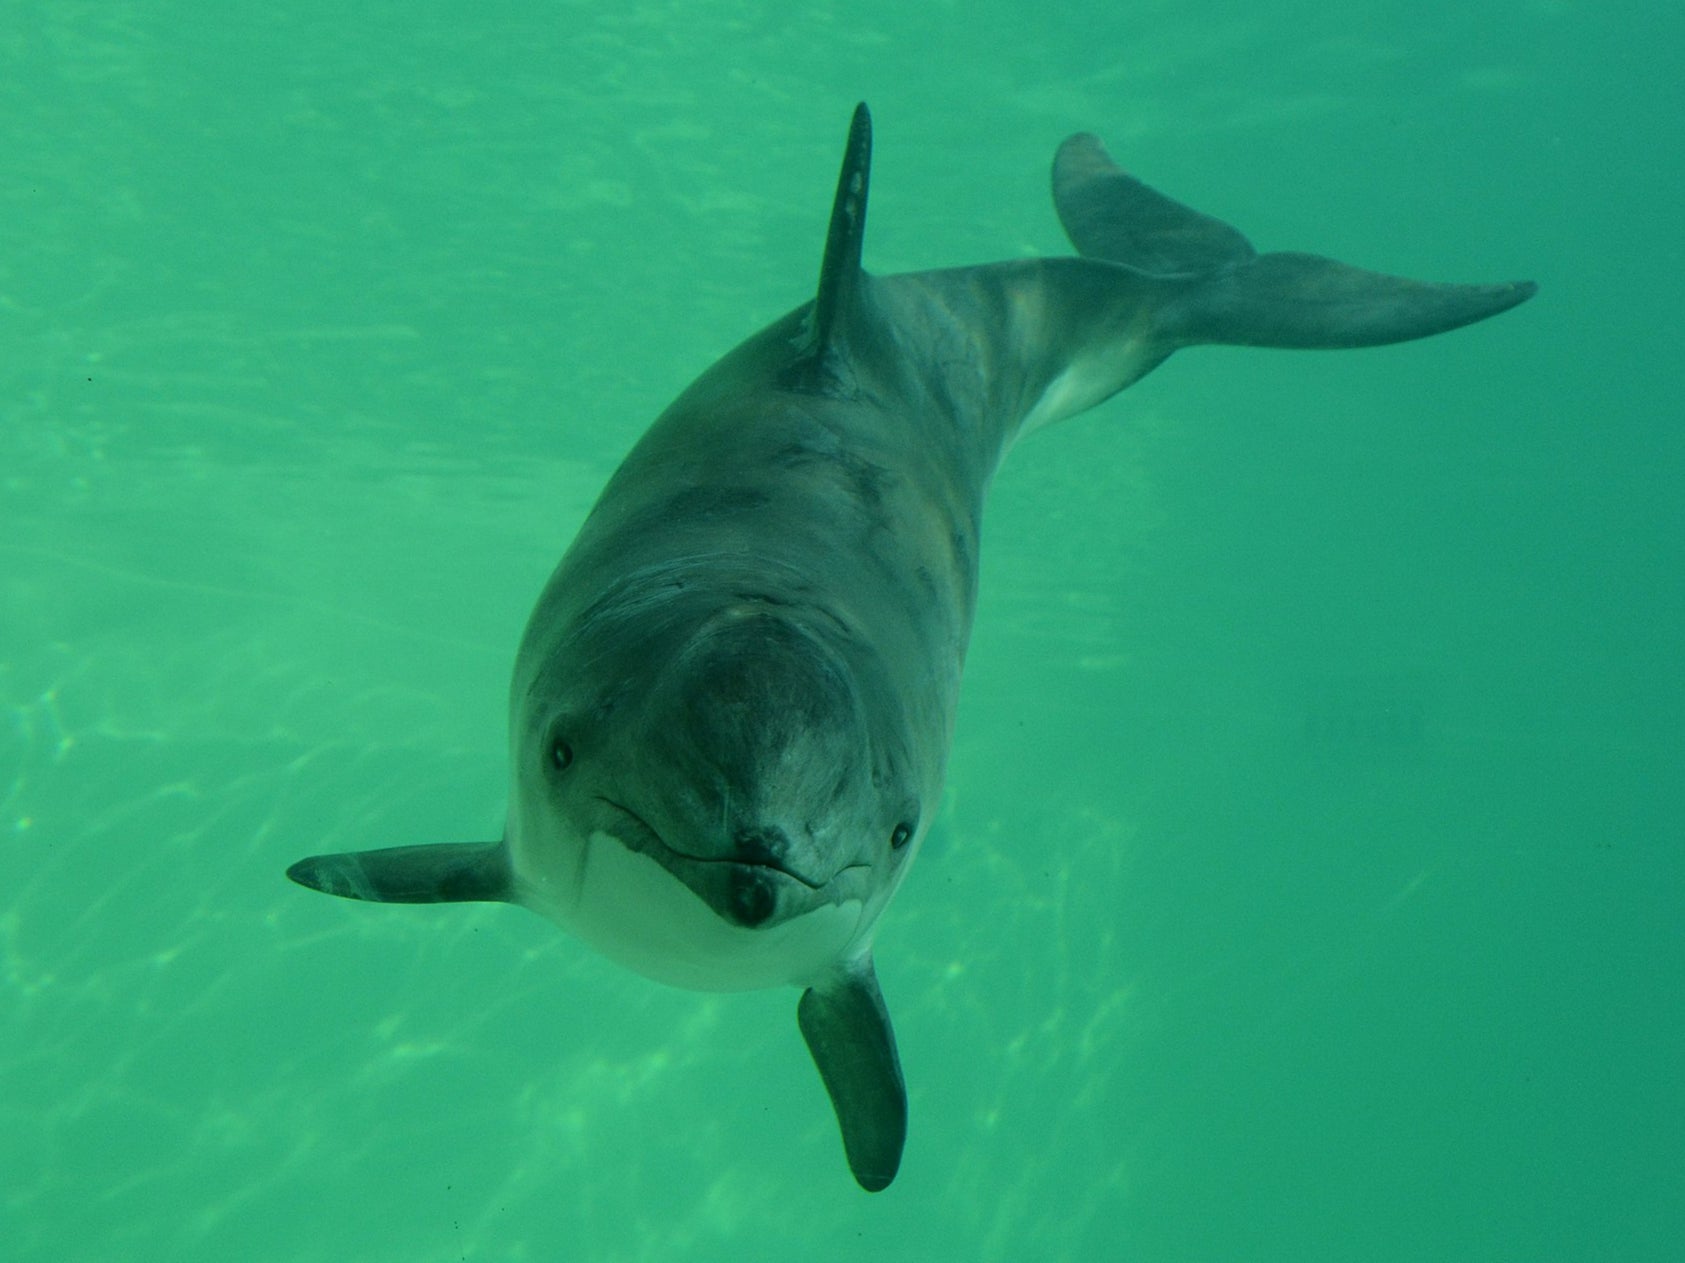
[{"x": 1309, "y": 880}]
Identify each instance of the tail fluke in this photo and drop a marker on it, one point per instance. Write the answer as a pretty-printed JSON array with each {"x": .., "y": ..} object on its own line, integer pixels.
[
  {"x": 1306, "y": 301},
  {"x": 1109, "y": 214},
  {"x": 1234, "y": 296}
]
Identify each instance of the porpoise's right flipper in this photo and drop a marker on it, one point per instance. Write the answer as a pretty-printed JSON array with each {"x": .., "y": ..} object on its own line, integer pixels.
[
  {"x": 456, "y": 872},
  {"x": 847, "y": 1030},
  {"x": 1237, "y": 297}
]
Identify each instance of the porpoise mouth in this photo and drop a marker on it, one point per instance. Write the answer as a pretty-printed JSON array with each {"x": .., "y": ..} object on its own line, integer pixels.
[{"x": 651, "y": 839}]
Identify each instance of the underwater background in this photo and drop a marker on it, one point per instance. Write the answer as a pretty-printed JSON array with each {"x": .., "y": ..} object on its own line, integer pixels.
[{"x": 1308, "y": 884}]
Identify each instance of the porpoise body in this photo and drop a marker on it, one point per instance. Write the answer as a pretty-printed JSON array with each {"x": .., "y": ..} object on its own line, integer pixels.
[{"x": 732, "y": 708}]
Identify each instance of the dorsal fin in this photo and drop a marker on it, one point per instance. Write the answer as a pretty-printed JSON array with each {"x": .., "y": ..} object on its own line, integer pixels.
[{"x": 839, "y": 274}]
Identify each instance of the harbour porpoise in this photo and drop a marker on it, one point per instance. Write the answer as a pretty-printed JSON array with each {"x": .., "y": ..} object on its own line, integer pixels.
[{"x": 732, "y": 706}]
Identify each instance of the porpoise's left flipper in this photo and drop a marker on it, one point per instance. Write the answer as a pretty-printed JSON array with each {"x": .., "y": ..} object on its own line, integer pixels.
[
  {"x": 847, "y": 1030},
  {"x": 458, "y": 872}
]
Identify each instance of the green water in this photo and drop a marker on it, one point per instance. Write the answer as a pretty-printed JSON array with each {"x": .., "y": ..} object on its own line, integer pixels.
[{"x": 1308, "y": 885}]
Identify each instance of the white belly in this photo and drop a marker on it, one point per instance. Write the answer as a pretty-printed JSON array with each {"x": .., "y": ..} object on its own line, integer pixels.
[{"x": 635, "y": 912}]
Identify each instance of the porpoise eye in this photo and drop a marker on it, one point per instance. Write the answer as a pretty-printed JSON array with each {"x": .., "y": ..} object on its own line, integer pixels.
[
  {"x": 561, "y": 754},
  {"x": 903, "y": 834}
]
